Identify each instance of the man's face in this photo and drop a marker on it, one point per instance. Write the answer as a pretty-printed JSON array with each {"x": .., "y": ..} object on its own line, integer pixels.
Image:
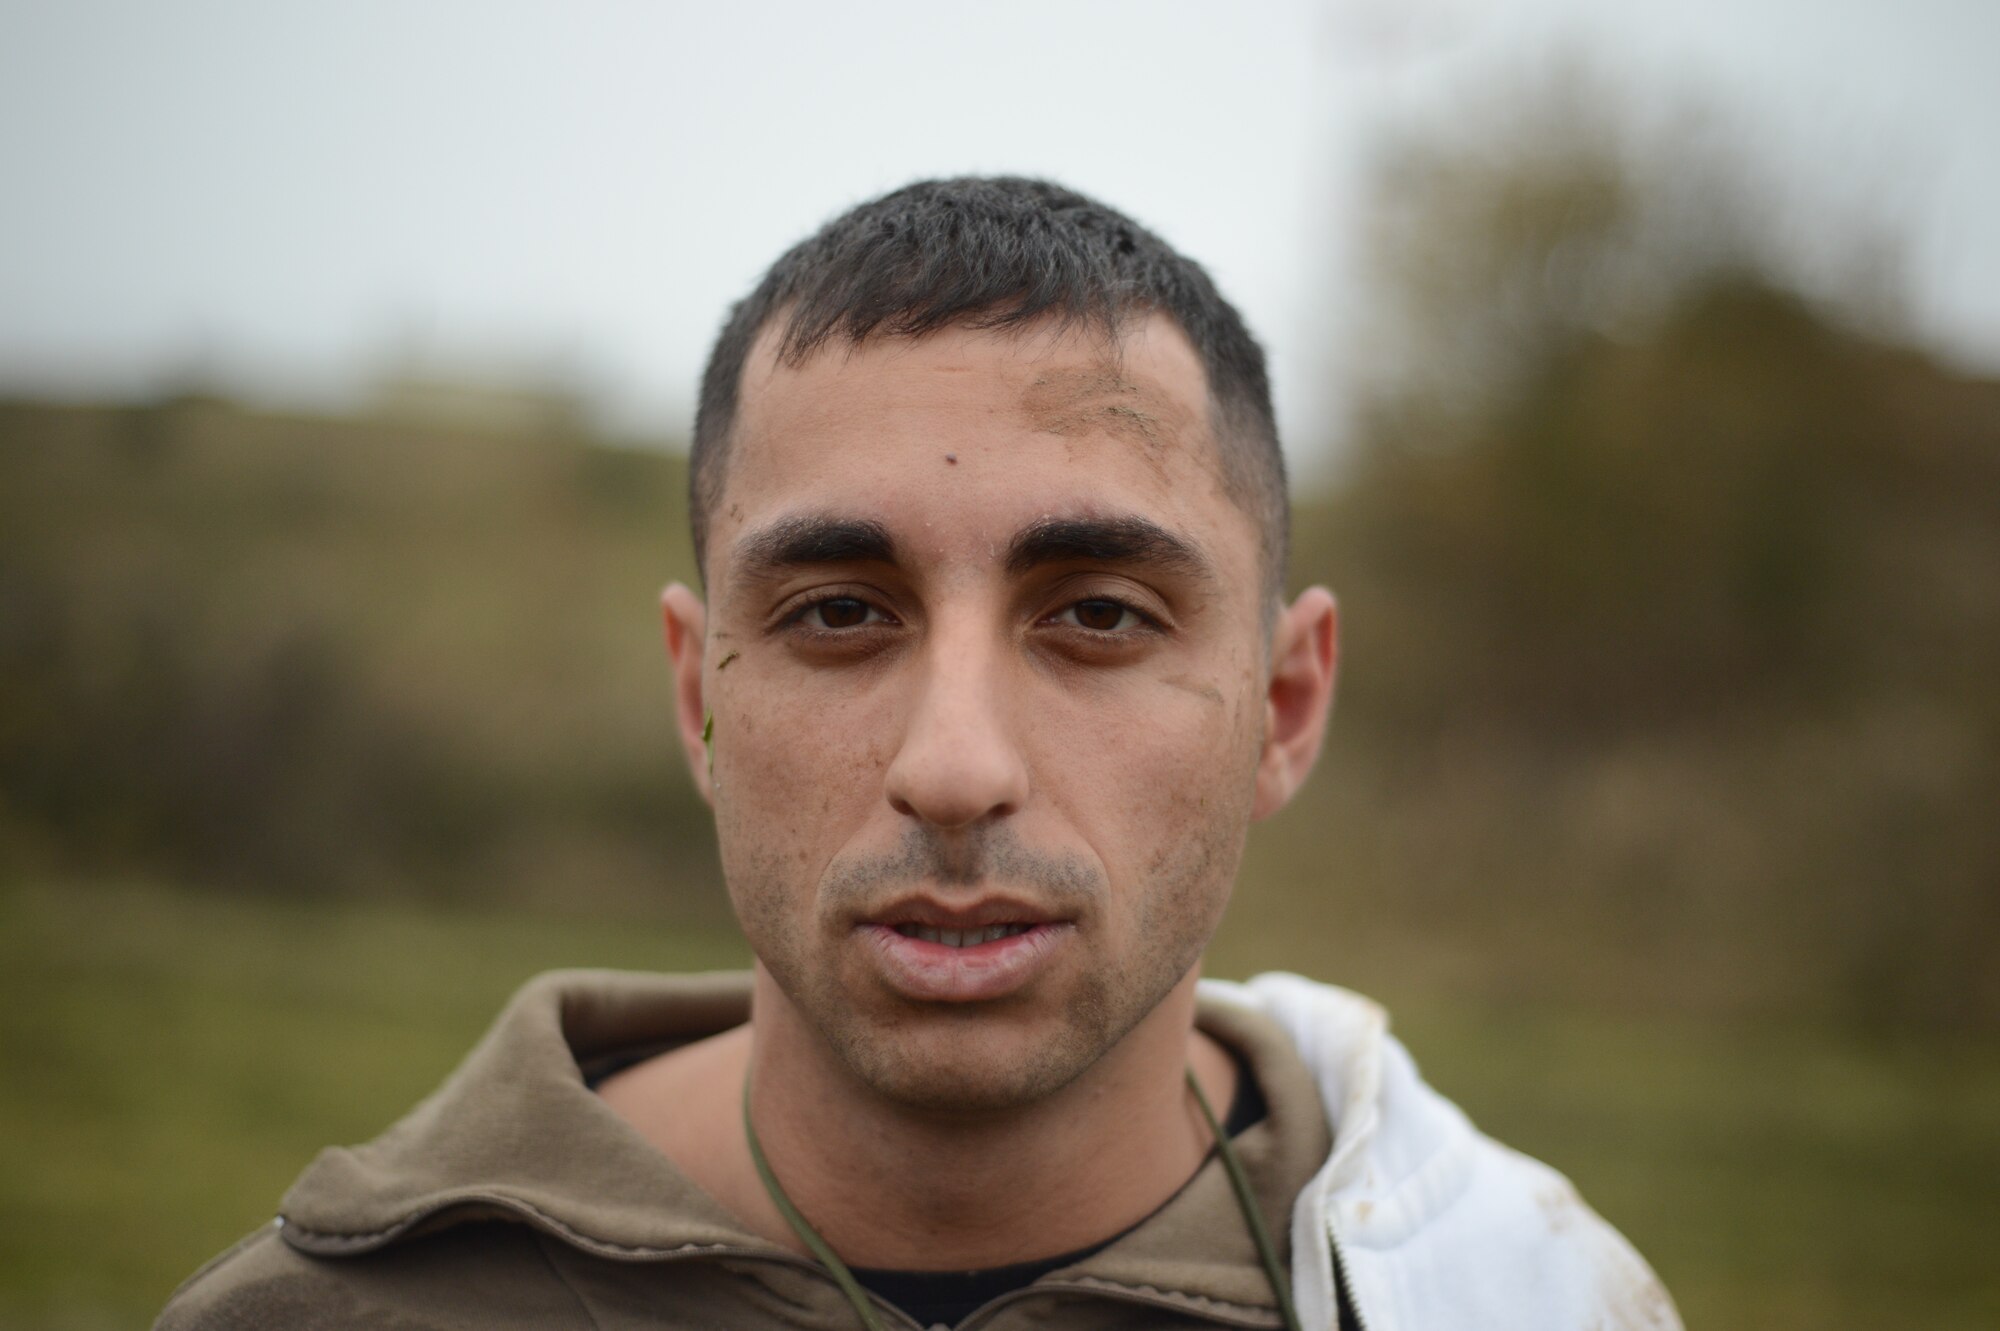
[{"x": 986, "y": 662}]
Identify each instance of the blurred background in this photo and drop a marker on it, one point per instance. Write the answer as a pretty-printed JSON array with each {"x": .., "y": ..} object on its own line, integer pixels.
[{"x": 1640, "y": 367}]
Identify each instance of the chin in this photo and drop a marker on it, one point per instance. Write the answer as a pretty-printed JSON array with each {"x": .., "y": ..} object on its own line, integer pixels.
[
  {"x": 960, "y": 1063},
  {"x": 965, "y": 1085}
]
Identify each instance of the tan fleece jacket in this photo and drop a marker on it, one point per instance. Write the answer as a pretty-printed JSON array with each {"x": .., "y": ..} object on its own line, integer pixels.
[{"x": 513, "y": 1197}]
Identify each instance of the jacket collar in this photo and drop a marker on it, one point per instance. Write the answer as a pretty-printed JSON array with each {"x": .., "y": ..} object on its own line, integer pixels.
[{"x": 517, "y": 1133}]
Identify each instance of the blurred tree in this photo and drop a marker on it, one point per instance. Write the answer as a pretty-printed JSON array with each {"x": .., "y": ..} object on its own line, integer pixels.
[
  {"x": 1693, "y": 572},
  {"x": 298, "y": 655}
]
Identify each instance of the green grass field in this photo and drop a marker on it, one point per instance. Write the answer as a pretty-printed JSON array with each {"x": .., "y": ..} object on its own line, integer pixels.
[{"x": 171, "y": 1061}]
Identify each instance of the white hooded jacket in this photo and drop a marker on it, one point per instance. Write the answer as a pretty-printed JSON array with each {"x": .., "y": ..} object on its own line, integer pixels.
[{"x": 1436, "y": 1227}]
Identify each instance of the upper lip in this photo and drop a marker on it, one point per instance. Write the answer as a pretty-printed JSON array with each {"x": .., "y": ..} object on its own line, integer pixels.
[{"x": 981, "y": 914}]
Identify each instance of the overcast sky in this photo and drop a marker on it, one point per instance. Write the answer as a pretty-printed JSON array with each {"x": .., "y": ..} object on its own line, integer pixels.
[{"x": 283, "y": 197}]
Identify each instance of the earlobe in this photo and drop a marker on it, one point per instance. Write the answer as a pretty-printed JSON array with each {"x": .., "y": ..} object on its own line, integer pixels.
[
  {"x": 683, "y": 619},
  {"x": 1304, "y": 662}
]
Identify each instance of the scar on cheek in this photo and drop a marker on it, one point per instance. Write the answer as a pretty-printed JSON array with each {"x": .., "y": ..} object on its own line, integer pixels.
[{"x": 1208, "y": 691}]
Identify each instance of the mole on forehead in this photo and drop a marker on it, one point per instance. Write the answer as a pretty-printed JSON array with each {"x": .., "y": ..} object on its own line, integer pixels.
[{"x": 1073, "y": 402}]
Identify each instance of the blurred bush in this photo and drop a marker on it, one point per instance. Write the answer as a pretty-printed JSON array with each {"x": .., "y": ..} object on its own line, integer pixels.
[
  {"x": 1672, "y": 591},
  {"x": 301, "y": 655}
]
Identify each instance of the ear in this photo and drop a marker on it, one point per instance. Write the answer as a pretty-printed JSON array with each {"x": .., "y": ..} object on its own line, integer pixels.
[
  {"x": 1304, "y": 655},
  {"x": 683, "y": 617}
]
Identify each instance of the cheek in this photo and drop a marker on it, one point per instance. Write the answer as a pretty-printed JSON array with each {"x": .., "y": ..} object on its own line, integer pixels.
[
  {"x": 791, "y": 771},
  {"x": 1161, "y": 787}
]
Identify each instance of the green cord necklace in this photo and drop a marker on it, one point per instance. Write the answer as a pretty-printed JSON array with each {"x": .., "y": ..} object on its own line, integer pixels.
[{"x": 1239, "y": 1181}]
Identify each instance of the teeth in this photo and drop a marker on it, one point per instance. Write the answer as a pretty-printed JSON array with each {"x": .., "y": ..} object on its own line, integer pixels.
[{"x": 992, "y": 933}]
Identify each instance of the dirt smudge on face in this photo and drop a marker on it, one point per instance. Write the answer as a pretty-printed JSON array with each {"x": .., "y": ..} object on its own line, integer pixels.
[{"x": 1100, "y": 401}]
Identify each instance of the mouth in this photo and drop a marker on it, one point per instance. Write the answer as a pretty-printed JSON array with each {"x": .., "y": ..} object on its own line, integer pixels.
[
  {"x": 929, "y": 953},
  {"x": 992, "y": 933}
]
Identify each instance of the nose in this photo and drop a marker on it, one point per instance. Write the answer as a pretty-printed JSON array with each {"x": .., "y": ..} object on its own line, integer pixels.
[{"x": 959, "y": 761}]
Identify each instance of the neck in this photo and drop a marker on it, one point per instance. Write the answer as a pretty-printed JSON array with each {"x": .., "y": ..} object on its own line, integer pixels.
[{"x": 888, "y": 1185}]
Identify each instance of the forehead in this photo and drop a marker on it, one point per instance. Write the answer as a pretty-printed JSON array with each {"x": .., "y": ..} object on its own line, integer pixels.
[{"x": 977, "y": 429}]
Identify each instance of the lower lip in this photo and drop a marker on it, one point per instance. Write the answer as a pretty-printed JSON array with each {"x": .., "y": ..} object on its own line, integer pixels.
[{"x": 940, "y": 973}]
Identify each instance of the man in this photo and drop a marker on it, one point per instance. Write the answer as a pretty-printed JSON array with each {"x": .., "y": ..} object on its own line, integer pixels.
[{"x": 993, "y": 675}]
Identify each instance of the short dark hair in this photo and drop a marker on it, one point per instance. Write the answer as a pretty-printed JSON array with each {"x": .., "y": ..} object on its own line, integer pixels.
[{"x": 997, "y": 252}]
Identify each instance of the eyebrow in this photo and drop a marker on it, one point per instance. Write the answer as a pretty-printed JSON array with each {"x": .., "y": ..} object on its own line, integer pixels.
[
  {"x": 814, "y": 539},
  {"x": 1110, "y": 540},
  {"x": 798, "y": 542}
]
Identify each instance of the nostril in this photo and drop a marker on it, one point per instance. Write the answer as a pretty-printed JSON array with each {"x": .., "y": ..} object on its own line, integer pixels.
[{"x": 956, "y": 761}]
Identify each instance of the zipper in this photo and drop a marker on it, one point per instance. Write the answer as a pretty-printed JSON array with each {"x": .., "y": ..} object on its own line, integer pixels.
[{"x": 1343, "y": 1289}]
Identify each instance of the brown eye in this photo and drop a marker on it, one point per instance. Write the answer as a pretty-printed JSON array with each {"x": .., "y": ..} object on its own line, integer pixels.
[
  {"x": 842, "y": 612},
  {"x": 1100, "y": 616}
]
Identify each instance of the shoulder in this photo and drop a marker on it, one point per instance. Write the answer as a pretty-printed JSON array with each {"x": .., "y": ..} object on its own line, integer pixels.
[
  {"x": 1435, "y": 1220},
  {"x": 1536, "y": 1244},
  {"x": 486, "y": 1275},
  {"x": 260, "y": 1282}
]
